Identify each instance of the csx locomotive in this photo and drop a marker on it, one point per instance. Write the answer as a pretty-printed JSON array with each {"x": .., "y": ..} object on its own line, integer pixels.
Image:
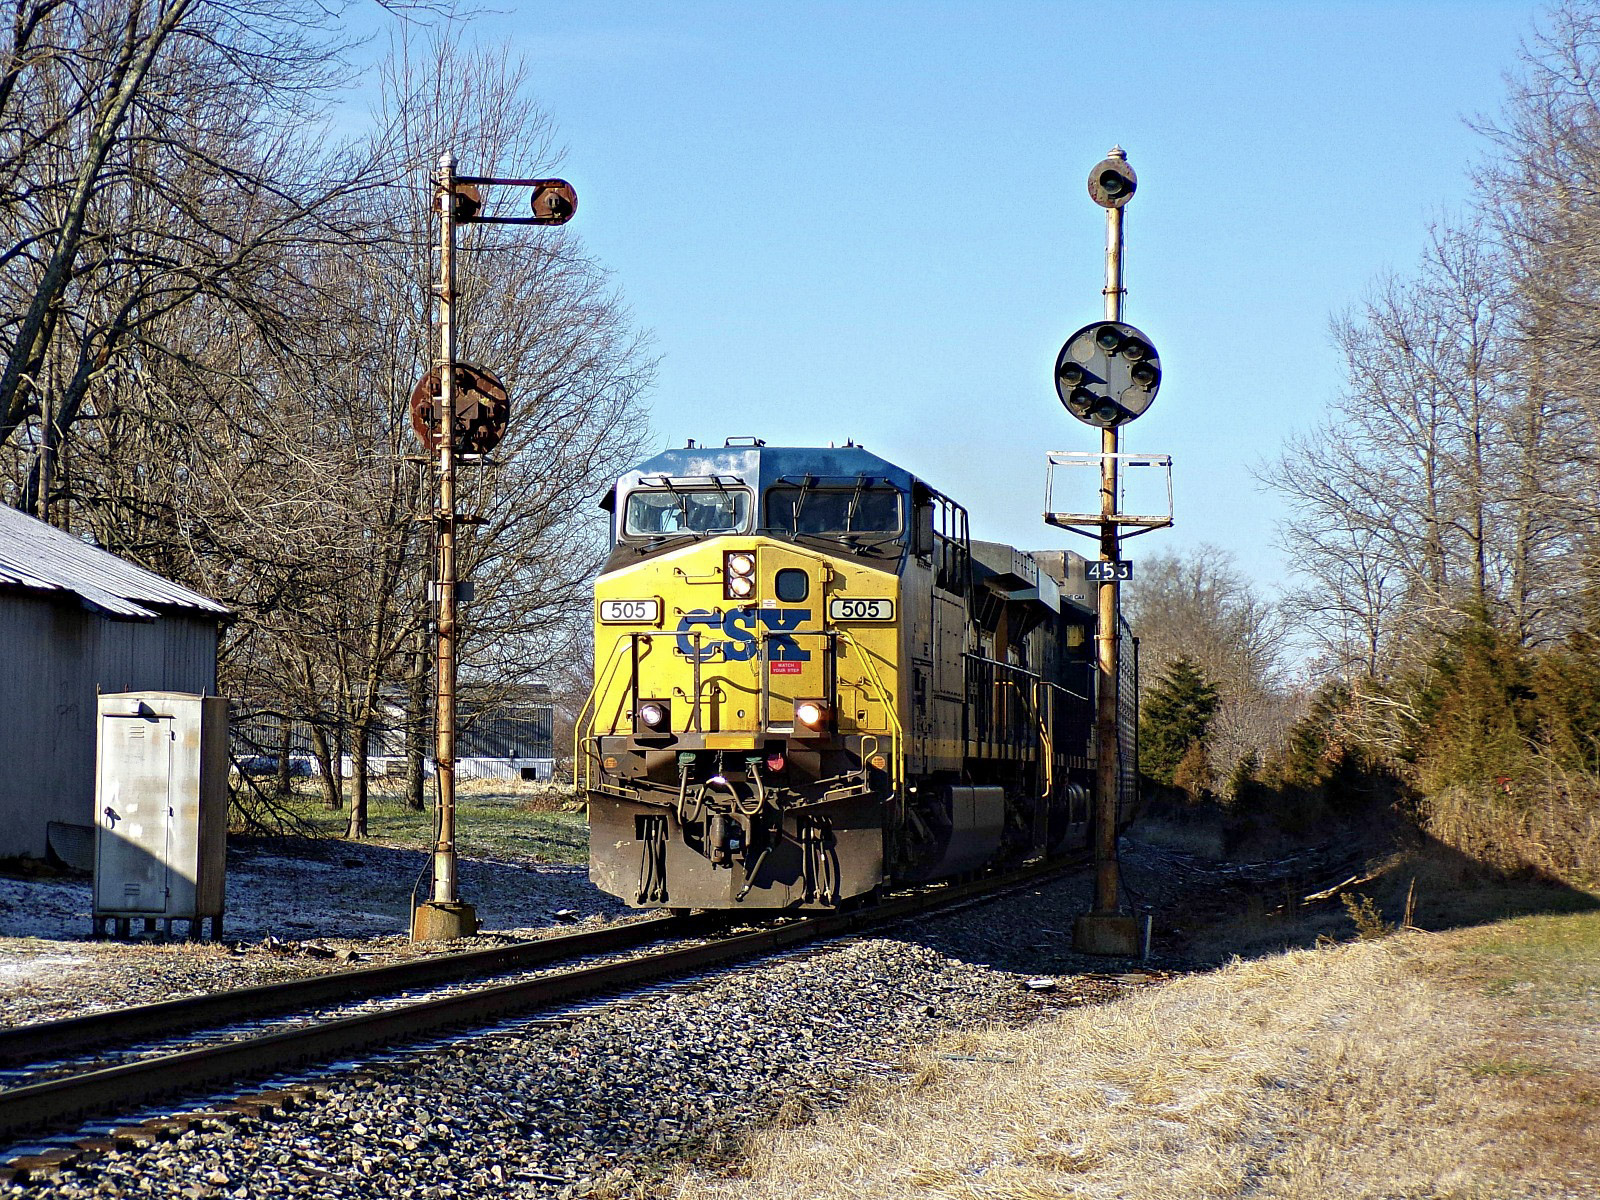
[{"x": 810, "y": 681}]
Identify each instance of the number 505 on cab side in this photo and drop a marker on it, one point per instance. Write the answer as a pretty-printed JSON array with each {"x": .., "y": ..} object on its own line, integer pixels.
[
  {"x": 847, "y": 608},
  {"x": 630, "y": 612}
]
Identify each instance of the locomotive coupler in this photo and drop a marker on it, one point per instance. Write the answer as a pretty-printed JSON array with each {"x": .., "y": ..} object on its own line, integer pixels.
[{"x": 724, "y": 838}]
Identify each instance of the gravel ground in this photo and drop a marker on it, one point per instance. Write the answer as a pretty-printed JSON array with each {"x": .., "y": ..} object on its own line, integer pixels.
[
  {"x": 587, "y": 1102},
  {"x": 295, "y": 907},
  {"x": 602, "y": 1099}
]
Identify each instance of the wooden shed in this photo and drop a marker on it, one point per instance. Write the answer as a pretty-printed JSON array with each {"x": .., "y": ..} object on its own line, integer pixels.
[{"x": 76, "y": 621}]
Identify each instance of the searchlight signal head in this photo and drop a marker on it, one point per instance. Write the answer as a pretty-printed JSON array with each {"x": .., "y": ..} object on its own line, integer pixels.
[{"x": 1112, "y": 181}]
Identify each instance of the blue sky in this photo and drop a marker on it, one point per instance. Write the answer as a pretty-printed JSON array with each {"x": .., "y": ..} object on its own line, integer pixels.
[{"x": 869, "y": 220}]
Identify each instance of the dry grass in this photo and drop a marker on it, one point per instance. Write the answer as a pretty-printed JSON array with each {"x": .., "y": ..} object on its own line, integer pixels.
[
  {"x": 1393, "y": 1068},
  {"x": 1549, "y": 824}
]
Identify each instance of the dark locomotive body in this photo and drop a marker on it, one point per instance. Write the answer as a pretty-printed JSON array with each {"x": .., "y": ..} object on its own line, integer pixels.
[{"x": 810, "y": 681}]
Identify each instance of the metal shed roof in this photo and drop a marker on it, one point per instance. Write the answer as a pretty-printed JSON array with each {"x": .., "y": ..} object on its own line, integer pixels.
[{"x": 40, "y": 558}]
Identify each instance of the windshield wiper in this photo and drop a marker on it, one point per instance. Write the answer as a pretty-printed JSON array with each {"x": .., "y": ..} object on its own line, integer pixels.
[
  {"x": 799, "y": 503},
  {"x": 855, "y": 502},
  {"x": 683, "y": 500},
  {"x": 655, "y": 539},
  {"x": 862, "y": 540}
]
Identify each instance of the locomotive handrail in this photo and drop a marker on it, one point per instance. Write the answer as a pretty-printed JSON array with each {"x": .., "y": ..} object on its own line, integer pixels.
[
  {"x": 888, "y": 705},
  {"x": 1005, "y": 666},
  {"x": 997, "y": 727},
  {"x": 876, "y": 680},
  {"x": 584, "y": 733},
  {"x": 830, "y": 687},
  {"x": 1016, "y": 670}
]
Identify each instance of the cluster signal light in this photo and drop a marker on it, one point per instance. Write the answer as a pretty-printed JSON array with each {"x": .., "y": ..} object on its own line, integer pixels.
[
  {"x": 1107, "y": 373},
  {"x": 738, "y": 575}
]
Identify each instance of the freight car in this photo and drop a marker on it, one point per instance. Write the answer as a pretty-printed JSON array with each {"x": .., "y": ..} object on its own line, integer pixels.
[{"x": 811, "y": 681}]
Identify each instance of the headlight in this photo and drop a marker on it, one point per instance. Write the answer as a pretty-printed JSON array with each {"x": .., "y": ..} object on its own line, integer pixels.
[
  {"x": 738, "y": 575},
  {"x": 654, "y": 714},
  {"x": 811, "y": 713}
]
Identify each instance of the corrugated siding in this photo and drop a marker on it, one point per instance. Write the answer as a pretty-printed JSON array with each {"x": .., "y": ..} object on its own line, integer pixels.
[
  {"x": 34, "y": 555},
  {"x": 54, "y": 658}
]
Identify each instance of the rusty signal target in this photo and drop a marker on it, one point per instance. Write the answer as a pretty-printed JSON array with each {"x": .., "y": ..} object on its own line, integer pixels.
[
  {"x": 468, "y": 201},
  {"x": 482, "y": 409},
  {"x": 1112, "y": 181},
  {"x": 554, "y": 201}
]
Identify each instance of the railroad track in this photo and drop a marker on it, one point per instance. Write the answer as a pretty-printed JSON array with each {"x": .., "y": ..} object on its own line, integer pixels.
[
  {"x": 63, "y": 1101},
  {"x": 76, "y": 1036}
]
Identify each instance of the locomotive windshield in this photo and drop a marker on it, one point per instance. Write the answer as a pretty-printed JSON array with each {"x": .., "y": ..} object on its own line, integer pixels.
[
  {"x": 670, "y": 511},
  {"x": 807, "y": 509}
]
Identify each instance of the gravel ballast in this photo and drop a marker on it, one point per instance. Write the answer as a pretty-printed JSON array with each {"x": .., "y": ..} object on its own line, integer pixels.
[
  {"x": 572, "y": 1101},
  {"x": 600, "y": 1099},
  {"x": 295, "y": 907}
]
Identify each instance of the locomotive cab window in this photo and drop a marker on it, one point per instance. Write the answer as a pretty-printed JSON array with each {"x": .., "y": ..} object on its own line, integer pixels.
[
  {"x": 669, "y": 512},
  {"x": 823, "y": 511}
]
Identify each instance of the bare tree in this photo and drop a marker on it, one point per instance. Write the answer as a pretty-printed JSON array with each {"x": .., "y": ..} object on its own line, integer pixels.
[
  {"x": 1541, "y": 192},
  {"x": 247, "y": 427},
  {"x": 1200, "y": 607},
  {"x": 1420, "y": 498},
  {"x": 532, "y": 307},
  {"x": 153, "y": 158}
]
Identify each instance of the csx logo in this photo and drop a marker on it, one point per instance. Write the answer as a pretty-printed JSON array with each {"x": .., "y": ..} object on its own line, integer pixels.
[{"x": 739, "y": 627}]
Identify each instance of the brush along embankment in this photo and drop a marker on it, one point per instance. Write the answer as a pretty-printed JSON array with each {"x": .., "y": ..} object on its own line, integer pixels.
[{"x": 1464, "y": 1064}]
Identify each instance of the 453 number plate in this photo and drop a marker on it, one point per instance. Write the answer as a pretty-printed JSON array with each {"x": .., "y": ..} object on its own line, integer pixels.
[{"x": 846, "y": 608}]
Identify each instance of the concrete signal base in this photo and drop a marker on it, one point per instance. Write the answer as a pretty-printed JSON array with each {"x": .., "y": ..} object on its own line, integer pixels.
[
  {"x": 441, "y": 921},
  {"x": 1106, "y": 933}
]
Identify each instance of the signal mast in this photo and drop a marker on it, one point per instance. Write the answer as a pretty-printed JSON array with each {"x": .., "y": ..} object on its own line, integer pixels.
[
  {"x": 1106, "y": 375},
  {"x": 460, "y": 410}
]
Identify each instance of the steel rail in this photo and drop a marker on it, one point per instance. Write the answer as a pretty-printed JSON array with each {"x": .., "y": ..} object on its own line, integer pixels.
[
  {"x": 55, "y": 1102},
  {"x": 41, "y": 1041}
]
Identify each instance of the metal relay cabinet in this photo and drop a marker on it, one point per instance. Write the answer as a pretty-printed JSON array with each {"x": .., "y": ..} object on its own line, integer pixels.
[{"x": 161, "y": 810}]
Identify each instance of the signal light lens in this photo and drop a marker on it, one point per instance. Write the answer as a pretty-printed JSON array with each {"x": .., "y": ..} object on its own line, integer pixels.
[
  {"x": 1071, "y": 374},
  {"x": 1144, "y": 374},
  {"x": 811, "y": 713},
  {"x": 776, "y": 761},
  {"x": 1108, "y": 339},
  {"x": 1107, "y": 411},
  {"x": 1112, "y": 183},
  {"x": 653, "y": 714},
  {"x": 1136, "y": 350}
]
